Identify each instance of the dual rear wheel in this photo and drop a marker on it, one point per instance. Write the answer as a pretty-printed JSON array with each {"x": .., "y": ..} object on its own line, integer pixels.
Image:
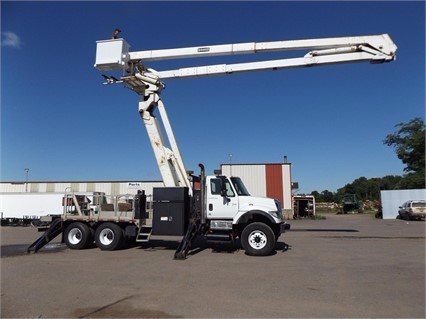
[{"x": 108, "y": 236}]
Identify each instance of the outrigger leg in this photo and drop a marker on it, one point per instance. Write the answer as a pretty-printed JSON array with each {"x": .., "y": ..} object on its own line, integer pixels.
[
  {"x": 185, "y": 244},
  {"x": 56, "y": 227}
]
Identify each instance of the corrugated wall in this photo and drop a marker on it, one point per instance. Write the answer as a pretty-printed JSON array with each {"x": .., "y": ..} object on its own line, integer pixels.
[
  {"x": 267, "y": 180},
  {"x": 12, "y": 187},
  {"x": 109, "y": 188},
  {"x": 253, "y": 176}
]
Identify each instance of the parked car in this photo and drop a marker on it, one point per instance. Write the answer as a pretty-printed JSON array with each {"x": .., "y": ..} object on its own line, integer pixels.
[{"x": 412, "y": 209}]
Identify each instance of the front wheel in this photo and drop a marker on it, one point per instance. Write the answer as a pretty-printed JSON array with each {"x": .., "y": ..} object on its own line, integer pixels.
[
  {"x": 258, "y": 239},
  {"x": 109, "y": 236}
]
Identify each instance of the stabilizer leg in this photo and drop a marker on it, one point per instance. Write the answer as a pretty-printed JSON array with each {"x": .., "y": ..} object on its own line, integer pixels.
[
  {"x": 56, "y": 228},
  {"x": 185, "y": 244}
]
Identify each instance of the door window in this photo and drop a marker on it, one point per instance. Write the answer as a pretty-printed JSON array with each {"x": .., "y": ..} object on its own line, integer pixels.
[{"x": 216, "y": 186}]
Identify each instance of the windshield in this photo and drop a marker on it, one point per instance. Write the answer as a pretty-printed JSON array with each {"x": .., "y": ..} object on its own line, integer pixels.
[{"x": 239, "y": 186}]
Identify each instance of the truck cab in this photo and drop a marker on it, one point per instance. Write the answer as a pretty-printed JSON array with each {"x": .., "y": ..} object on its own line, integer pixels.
[{"x": 232, "y": 212}]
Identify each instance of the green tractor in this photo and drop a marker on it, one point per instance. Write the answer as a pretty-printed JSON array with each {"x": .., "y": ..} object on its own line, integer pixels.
[{"x": 351, "y": 203}]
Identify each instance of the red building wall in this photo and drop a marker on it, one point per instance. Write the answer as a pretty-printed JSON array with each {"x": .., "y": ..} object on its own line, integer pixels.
[{"x": 274, "y": 181}]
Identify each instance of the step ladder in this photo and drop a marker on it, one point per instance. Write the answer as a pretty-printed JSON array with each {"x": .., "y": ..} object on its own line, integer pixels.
[{"x": 144, "y": 234}]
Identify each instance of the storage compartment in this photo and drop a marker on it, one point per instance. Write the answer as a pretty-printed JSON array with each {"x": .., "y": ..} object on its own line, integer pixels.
[{"x": 171, "y": 211}]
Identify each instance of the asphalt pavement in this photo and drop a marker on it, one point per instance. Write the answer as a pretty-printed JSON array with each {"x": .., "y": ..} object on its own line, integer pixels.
[{"x": 345, "y": 266}]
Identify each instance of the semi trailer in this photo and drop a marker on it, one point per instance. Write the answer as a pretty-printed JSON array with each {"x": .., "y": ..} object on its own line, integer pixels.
[
  {"x": 24, "y": 209},
  {"x": 217, "y": 207}
]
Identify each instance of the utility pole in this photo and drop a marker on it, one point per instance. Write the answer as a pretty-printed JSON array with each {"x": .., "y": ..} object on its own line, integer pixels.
[
  {"x": 230, "y": 164},
  {"x": 26, "y": 178}
]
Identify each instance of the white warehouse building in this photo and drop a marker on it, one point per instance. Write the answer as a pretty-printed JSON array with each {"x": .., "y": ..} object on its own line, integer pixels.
[{"x": 107, "y": 187}]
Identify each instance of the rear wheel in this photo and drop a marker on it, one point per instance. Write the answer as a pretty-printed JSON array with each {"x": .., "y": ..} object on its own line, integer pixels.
[
  {"x": 109, "y": 236},
  {"x": 258, "y": 239},
  {"x": 78, "y": 236}
]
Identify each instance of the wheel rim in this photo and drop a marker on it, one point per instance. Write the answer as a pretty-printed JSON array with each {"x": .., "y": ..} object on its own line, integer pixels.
[
  {"x": 74, "y": 236},
  {"x": 257, "y": 239},
  {"x": 106, "y": 236}
]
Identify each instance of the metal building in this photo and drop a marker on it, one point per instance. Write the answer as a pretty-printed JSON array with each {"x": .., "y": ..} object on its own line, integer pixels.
[
  {"x": 108, "y": 187},
  {"x": 266, "y": 180}
]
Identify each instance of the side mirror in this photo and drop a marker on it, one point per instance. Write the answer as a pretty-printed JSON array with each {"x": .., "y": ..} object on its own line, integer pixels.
[{"x": 223, "y": 191}]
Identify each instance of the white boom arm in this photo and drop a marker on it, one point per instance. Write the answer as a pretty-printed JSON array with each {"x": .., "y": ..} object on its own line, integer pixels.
[
  {"x": 381, "y": 43},
  {"x": 376, "y": 48},
  {"x": 115, "y": 55}
]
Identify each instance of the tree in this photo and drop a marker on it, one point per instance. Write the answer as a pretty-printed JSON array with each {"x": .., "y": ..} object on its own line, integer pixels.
[
  {"x": 389, "y": 182},
  {"x": 412, "y": 181},
  {"x": 365, "y": 189},
  {"x": 324, "y": 196},
  {"x": 327, "y": 196},
  {"x": 409, "y": 144}
]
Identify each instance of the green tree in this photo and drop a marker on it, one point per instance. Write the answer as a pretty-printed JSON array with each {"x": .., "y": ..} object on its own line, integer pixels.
[
  {"x": 316, "y": 195},
  {"x": 365, "y": 189},
  {"x": 409, "y": 144},
  {"x": 389, "y": 182},
  {"x": 327, "y": 196}
]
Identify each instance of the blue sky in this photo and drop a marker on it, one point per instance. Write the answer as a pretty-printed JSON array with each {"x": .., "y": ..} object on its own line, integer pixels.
[{"x": 58, "y": 120}]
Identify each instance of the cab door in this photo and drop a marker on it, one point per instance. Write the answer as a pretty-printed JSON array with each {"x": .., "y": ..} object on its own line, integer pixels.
[{"x": 222, "y": 200}]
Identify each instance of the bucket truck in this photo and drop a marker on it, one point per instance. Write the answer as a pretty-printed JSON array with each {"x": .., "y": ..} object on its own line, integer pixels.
[{"x": 221, "y": 208}]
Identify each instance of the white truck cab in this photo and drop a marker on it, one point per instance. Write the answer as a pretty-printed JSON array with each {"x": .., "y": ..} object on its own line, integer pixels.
[
  {"x": 228, "y": 198},
  {"x": 233, "y": 212}
]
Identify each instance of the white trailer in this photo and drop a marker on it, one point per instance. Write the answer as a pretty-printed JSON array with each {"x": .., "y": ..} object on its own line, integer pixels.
[
  {"x": 22, "y": 208},
  {"x": 34, "y": 205}
]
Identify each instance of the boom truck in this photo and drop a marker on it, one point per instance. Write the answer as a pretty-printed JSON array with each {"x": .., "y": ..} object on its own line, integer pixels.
[{"x": 221, "y": 208}]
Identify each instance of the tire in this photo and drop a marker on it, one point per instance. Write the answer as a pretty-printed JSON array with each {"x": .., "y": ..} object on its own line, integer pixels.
[
  {"x": 78, "y": 236},
  {"x": 109, "y": 236},
  {"x": 258, "y": 239}
]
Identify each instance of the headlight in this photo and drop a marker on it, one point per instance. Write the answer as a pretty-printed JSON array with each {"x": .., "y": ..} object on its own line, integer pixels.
[
  {"x": 278, "y": 204},
  {"x": 276, "y": 214}
]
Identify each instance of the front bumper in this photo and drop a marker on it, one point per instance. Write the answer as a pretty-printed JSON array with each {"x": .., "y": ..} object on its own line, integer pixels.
[
  {"x": 283, "y": 227},
  {"x": 417, "y": 215}
]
